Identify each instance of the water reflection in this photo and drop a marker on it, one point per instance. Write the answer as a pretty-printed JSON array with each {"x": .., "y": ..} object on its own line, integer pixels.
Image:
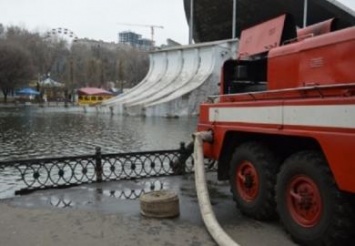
[
  {"x": 133, "y": 193},
  {"x": 126, "y": 192},
  {"x": 61, "y": 202},
  {"x": 33, "y": 133}
]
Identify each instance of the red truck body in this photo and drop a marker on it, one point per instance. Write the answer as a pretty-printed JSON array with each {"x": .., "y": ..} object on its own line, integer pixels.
[{"x": 291, "y": 91}]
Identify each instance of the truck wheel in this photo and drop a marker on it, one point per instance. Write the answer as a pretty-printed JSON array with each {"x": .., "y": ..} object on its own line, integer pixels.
[
  {"x": 253, "y": 170},
  {"x": 309, "y": 204}
]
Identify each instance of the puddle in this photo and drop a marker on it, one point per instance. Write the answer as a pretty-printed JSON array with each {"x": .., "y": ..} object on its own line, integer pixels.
[
  {"x": 129, "y": 193},
  {"x": 61, "y": 202},
  {"x": 95, "y": 194}
]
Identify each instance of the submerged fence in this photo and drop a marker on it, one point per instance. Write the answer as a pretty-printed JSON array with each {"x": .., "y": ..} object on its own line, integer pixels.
[{"x": 69, "y": 171}]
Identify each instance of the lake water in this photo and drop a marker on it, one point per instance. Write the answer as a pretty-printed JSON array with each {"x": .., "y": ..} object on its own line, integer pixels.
[{"x": 31, "y": 132}]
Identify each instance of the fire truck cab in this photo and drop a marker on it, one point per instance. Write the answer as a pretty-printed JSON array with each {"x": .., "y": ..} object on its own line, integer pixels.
[{"x": 284, "y": 128}]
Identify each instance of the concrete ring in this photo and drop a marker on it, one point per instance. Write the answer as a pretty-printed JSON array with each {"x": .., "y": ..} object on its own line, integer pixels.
[{"x": 160, "y": 204}]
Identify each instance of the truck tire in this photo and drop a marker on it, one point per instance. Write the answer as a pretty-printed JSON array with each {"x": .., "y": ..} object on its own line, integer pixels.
[
  {"x": 310, "y": 206},
  {"x": 253, "y": 170}
]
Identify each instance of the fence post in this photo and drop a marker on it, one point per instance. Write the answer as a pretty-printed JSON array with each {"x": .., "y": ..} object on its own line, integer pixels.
[
  {"x": 98, "y": 167},
  {"x": 182, "y": 159},
  {"x": 182, "y": 147}
]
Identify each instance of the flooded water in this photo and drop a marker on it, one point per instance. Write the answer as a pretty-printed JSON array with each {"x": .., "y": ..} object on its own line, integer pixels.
[{"x": 30, "y": 132}]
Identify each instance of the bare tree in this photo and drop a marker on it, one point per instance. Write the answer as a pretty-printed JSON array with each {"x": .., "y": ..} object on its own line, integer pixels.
[
  {"x": 15, "y": 67},
  {"x": 2, "y": 30},
  {"x": 136, "y": 64},
  {"x": 87, "y": 63},
  {"x": 47, "y": 53}
]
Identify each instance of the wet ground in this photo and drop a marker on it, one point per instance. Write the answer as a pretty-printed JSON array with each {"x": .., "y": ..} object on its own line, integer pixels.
[{"x": 109, "y": 214}]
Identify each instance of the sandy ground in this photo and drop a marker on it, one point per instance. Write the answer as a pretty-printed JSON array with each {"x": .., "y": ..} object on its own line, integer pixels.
[{"x": 108, "y": 214}]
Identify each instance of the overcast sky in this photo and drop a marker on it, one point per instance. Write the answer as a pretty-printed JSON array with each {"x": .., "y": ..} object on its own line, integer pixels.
[{"x": 100, "y": 19}]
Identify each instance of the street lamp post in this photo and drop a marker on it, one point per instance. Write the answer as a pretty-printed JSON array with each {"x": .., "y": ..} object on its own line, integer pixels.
[
  {"x": 71, "y": 89},
  {"x": 191, "y": 21},
  {"x": 305, "y": 13},
  {"x": 234, "y": 25}
]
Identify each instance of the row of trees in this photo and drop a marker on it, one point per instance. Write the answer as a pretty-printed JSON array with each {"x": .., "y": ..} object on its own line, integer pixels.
[{"x": 27, "y": 56}]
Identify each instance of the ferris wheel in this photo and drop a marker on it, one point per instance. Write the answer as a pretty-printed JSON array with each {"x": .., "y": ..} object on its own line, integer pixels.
[{"x": 62, "y": 33}]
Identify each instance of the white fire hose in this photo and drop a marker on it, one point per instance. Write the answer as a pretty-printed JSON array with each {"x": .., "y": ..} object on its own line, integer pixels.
[{"x": 208, "y": 216}]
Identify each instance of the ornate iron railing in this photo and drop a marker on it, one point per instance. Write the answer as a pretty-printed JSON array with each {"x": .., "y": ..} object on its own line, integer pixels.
[{"x": 70, "y": 171}]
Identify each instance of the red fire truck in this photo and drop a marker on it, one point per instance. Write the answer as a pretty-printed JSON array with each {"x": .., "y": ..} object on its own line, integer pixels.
[{"x": 284, "y": 128}]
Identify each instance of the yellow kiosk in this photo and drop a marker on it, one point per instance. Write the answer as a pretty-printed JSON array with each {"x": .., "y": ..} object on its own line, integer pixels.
[{"x": 91, "y": 95}]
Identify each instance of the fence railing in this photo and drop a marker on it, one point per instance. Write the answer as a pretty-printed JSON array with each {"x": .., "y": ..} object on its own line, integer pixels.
[{"x": 70, "y": 171}]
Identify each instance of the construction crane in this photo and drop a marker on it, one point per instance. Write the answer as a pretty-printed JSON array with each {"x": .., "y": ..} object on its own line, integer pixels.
[{"x": 152, "y": 27}]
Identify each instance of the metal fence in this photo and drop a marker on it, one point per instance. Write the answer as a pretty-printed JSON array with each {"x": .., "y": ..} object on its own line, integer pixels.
[{"x": 70, "y": 171}]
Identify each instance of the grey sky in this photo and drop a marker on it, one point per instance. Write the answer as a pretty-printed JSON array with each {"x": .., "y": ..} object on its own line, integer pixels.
[{"x": 99, "y": 19}]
